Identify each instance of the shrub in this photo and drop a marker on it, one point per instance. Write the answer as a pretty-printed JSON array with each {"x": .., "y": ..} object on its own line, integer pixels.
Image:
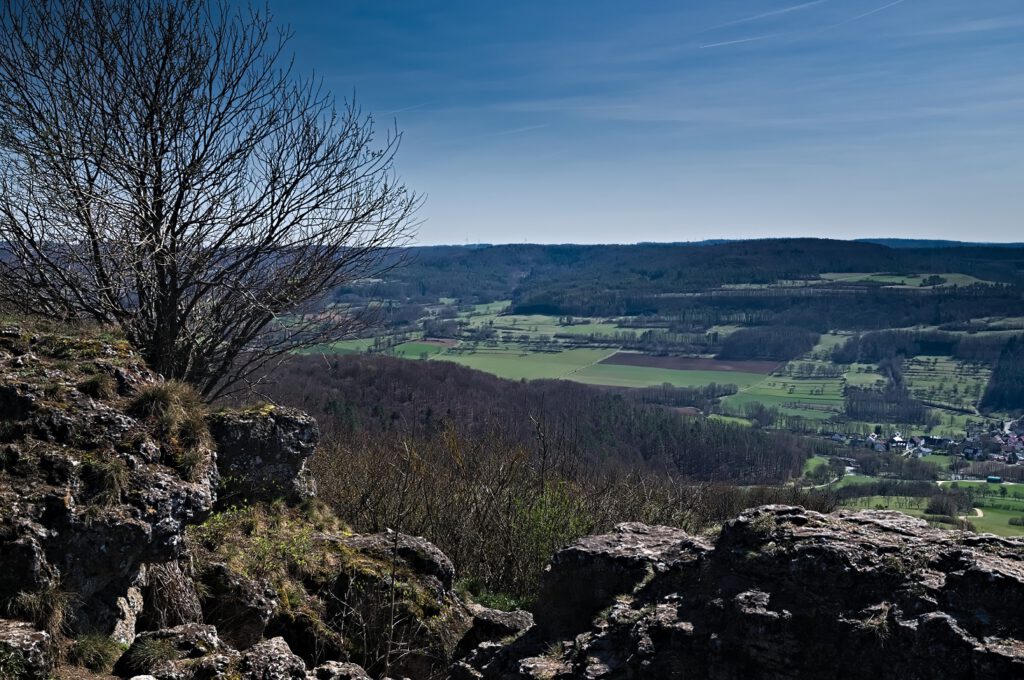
[
  {"x": 108, "y": 477},
  {"x": 12, "y": 663},
  {"x": 48, "y": 608},
  {"x": 180, "y": 416},
  {"x": 95, "y": 652},
  {"x": 98, "y": 386},
  {"x": 147, "y": 653}
]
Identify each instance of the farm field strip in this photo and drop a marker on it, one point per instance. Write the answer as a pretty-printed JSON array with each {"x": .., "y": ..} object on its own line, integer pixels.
[
  {"x": 683, "y": 363},
  {"x": 613, "y": 375},
  {"x": 944, "y": 380},
  {"x": 900, "y": 280},
  {"x": 516, "y": 364}
]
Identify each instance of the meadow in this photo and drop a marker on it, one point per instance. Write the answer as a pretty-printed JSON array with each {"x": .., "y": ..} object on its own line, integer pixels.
[
  {"x": 946, "y": 381},
  {"x": 516, "y": 363},
  {"x": 900, "y": 280}
]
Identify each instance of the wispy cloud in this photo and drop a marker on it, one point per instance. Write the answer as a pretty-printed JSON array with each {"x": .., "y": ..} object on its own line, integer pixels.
[
  {"x": 766, "y": 15},
  {"x": 740, "y": 41},
  {"x": 976, "y": 26},
  {"x": 863, "y": 15},
  {"x": 519, "y": 130},
  {"x": 406, "y": 108}
]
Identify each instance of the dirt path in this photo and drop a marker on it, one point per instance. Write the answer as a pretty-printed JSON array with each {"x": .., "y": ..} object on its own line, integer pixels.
[{"x": 978, "y": 512}]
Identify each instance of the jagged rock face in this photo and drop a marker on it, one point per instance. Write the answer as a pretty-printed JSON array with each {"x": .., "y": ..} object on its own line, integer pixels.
[
  {"x": 262, "y": 454},
  {"x": 272, "y": 660},
  {"x": 87, "y": 492},
  {"x": 241, "y": 608},
  {"x": 783, "y": 593},
  {"x": 338, "y": 670},
  {"x": 24, "y": 651}
]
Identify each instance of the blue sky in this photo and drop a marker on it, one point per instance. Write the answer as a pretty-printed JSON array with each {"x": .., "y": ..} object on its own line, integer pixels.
[{"x": 592, "y": 121}]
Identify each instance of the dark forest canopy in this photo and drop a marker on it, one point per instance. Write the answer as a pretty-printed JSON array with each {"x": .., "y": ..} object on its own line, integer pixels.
[
  {"x": 881, "y": 345},
  {"x": 676, "y": 267},
  {"x": 714, "y": 283},
  {"x": 359, "y": 393},
  {"x": 1006, "y": 389}
]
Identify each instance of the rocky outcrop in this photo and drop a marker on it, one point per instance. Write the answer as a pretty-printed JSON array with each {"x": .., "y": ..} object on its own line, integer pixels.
[
  {"x": 782, "y": 593},
  {"x": 90, "y": 493},
  {"x": 272, "y": 660},
  {"x": 110, "y": 539},
  {"x": 262, "y": 453}
]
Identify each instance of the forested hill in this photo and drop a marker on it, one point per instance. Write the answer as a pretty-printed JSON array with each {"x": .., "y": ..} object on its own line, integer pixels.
[
  {"x": 574, "y": 424},
  {"x": 935, "y": 243},
  {"x": 528, "y": 272}
]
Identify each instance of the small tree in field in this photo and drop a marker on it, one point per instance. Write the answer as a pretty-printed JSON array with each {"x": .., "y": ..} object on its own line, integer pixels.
[{"x": 162, "y": 169}]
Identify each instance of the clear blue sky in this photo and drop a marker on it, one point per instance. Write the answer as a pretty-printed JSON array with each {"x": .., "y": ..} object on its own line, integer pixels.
[{"x": 595, "y": 121}]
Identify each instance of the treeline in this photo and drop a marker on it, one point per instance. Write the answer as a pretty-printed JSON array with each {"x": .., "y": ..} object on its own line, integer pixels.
[
  {"x": 769, "y": 342},
  {"x": 651, "y": 341},
  {"x": 1005, "y": 391},
  {"x": 894, "y": 404},
  {"x": 702, "y": 397},
  {"x": 646, "y": 276},
  {"x": 359, "y": 393},
  {"x": 819, "y": 308},
  {"x": 881, "y": 345}
]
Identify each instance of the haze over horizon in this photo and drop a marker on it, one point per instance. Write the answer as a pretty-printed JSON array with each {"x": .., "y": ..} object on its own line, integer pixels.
[{"x": 589, "y": 122}]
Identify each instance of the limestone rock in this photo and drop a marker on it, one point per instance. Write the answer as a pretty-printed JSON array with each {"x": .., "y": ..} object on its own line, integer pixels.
[
  {"x": 172, "y": 653},
  {"x": 492, "y": 625},
  {"x": 25, "y": 651},
  {"x": 337, "y": 670},
  {"x": 587, "y": 576},
  {"x": 89, "y": 497},
  {"x": 272, "y": 660},
  {"x": 783, "y": 593},
  {"x": 240, "y": 608},
  {"x": 261, "y": 453},
  {"x": 419, "y": 554}
]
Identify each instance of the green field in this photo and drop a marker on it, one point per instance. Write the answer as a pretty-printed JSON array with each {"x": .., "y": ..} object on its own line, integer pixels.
[
  {"x": 909, "y": 280},
  {"x": 416, "y": 350},
  {"x": 583, "y": 365},
  {"x": 854, "y": 480},
  {"x": 539, "y": 324},
  {"x": 615, "y": 375},
  {"x": 814, "y": 462},
  {"x": 863, "y": 375},
  {"x": 340, "y": 347},
  {"x": 732, "y": 420},
  {"x": 910, "y": 505},
  {"x": 946, "y": 381},
  {"x": 812, "y": 398},
  {"x": 506, "y": 361}
]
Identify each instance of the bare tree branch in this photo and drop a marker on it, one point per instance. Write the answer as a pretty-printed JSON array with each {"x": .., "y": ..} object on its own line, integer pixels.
[{"x": 163, "y": 169}]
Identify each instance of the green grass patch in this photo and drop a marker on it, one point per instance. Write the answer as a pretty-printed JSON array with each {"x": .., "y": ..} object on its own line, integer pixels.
[
  {"x": 340, "y": 347},
  {"x": 416, "y": 350},
  {"x": 734, "y": 420},
  {"x": 946, "y": 381},
  {"x": 903, "y": 280},
  {"x": 616, "y": 375},
  {"x": 813, "y": 463},
  {"x": 510, "y": 361}
]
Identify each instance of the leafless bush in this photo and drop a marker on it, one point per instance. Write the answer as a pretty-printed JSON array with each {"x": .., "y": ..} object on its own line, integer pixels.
[{"x": 498, "y": 510}]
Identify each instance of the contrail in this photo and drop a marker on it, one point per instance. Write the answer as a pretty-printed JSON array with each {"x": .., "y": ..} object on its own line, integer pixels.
[
  {"x": 518, "y": 130},
  {"x": 766, "y": 15},
  {"x": 740, "y": 41},
  {"x": 865, "y": 14}
]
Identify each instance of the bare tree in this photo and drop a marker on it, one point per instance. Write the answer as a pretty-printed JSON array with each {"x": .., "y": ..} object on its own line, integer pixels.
[{"x": 164, "y": 170}]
